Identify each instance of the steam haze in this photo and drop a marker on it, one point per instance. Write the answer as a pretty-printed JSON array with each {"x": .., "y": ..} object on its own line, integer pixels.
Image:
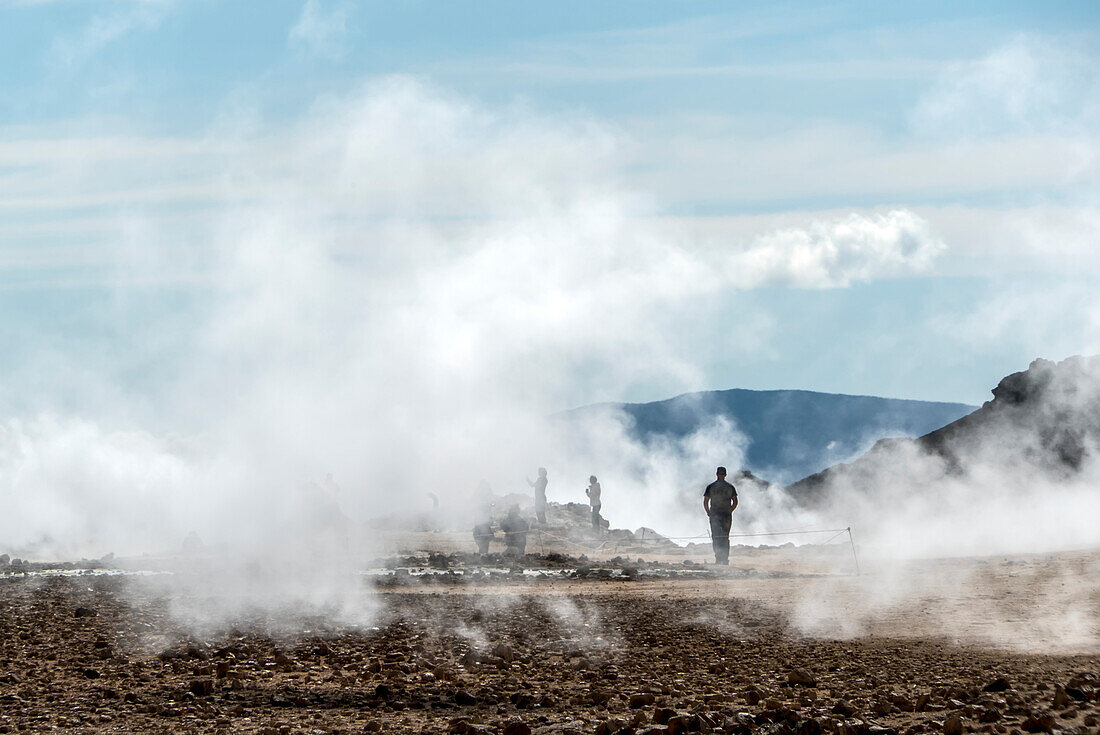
[
  {"x": 396, "y": 272},
  {"x": 337, "y": 328}
]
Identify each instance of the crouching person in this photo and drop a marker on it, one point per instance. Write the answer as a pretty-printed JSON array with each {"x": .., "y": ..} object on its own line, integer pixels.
[
  {"x": 515, "y": 529},
  {"x": 483, "y": 534}
]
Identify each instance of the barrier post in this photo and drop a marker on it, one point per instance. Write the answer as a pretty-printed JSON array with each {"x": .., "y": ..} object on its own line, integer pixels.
[{"x": 852, "y": 541}]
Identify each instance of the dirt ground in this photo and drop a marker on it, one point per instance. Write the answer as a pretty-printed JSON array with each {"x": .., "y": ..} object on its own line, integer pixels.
[{"x": 987, "y": 645}]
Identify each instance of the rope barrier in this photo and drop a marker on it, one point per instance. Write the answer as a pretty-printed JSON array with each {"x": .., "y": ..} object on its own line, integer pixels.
[
  {"x": 571, "y": 542},
  {"x": 837, "y": 532}
]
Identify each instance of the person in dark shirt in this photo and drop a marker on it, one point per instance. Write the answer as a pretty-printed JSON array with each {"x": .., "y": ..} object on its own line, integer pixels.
[
  {"x": 593, "y": 492},
  {"x": 540, "y": 495},
  {"x": 719, "y": 501}
]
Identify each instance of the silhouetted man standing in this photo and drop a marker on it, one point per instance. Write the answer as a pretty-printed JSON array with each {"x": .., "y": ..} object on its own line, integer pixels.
[
  {"x": 719, "y": 500},
  {"x": 593, "y": 492},
  {"x": 540, "y": 495}
]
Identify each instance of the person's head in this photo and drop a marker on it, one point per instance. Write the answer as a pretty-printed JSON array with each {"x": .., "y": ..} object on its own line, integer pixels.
[
  {"x": 592, "y": 480},
  {"x": 542, "y": 472},
  {"x": 721, "y": 472},
  {"x": 514, "y": 510}
]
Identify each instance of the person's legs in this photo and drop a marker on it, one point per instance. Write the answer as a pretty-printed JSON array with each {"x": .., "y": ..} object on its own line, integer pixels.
[
  {"x": 720, "y": 524},
  {"x": 540, "y": 513},
  {"x": 724, "y": 546},
  {"x": 596, "y": 518}
]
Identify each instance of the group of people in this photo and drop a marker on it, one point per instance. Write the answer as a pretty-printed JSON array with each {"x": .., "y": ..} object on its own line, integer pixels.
[
  {"x": 719, "y": 502},
  {"x": 515, "y": 526}
]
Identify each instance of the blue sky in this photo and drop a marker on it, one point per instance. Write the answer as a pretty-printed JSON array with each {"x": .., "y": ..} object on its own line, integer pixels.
[{"x": 613, "y": 201}]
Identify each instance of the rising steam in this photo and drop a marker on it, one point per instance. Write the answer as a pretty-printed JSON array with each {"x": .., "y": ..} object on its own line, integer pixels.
[{"x": 398, "y": 289}]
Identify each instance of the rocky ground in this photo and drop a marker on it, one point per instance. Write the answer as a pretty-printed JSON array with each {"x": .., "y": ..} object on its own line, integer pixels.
[{"x": 556, "y": 653}]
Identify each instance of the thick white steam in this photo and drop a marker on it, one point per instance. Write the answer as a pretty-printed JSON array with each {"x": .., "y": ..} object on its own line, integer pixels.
[{"x": 399, "y": 289}]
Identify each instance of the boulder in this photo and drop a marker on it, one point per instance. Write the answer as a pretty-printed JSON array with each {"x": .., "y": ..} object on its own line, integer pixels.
[
  {"x": 802, "y": 677},
  {"x": 516, "y": 727}
]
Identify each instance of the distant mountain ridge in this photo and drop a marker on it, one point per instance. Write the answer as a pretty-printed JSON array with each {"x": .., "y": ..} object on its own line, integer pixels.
[{"x": 790, "y": 433}]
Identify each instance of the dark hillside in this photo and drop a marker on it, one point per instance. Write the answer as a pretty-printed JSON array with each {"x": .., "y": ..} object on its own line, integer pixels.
[{"x": 790, "y": 433}]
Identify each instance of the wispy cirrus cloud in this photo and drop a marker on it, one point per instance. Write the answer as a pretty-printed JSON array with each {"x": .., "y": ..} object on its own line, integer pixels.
[
  {"x": 112, "y": 22},
  {"x": 1030, "y": 83},
  {"x": 321, "y": 30}
]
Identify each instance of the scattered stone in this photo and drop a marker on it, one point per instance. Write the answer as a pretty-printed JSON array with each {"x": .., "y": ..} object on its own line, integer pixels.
[
  {"x": 641, "y": 700},
  {"x": 610, "y": 727},
  {"x": 802, "y": 677},
  {"x": 681, "y": 724},
  {"x": 1039, "y": 723},
  {"x": 953, "y": 725},
  {"x": 661, "y": 715},
  {"x": 1080, "y": 695},
  {"x": 84, "y": 612},
  {"x": 516, "y": 727},
  {"x": 1000, "y": 684},
  {"x": 202, "y": 687}
]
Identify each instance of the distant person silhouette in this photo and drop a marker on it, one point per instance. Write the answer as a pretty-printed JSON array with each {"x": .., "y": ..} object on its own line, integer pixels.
[
  {"x": 331, "y": 488},
  {"x": 483, "y": 526},
  {"x": 515, "y": 529},
  {"x": 593, "y": 492},
  {"x": 192, "y": 543},
  {"x": 719, "y": 501},
  {"x": 540, "y": 494}
]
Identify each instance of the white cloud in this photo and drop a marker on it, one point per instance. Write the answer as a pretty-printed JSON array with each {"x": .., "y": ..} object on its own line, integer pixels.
[
  {"x": 1030, "y": 83},
  {"x": 1030, "y": 320},
  {"x": 837, "y": 253},
  {"x": 319, "y": 31}
]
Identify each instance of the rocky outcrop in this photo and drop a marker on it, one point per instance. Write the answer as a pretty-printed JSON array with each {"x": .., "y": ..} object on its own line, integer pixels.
[{"x": 1042, "y": 421}]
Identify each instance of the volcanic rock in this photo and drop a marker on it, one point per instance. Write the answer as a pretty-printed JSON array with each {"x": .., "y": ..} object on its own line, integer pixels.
[
  {"x": 802, "y": 677},
  {"x": 516, "y": 727},
  {"x": 202, "y": 687}
]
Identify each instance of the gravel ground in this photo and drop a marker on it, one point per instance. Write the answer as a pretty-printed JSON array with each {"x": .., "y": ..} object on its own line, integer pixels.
[{"x": 521, "y": 654}]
